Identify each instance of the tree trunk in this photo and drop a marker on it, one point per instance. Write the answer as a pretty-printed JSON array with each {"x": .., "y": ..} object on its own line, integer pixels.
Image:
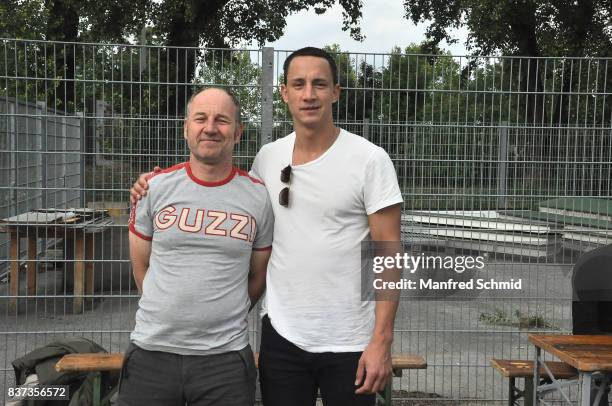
[
  {"x": 63, "y": 25},
  {"x": 524, "y": 28},
  {"x": 182, "y": 61}
]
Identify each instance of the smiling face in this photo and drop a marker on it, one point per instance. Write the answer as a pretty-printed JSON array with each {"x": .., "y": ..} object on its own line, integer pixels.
[
  {"x": 211, "y": 127},
  {"x": 310, "y": 92}
]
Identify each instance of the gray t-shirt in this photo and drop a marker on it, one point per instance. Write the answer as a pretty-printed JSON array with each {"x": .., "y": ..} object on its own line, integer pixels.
[{"x": 195, "y": 298}]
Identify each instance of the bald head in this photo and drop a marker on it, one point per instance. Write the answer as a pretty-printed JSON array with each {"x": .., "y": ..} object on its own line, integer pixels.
[{"x": 216, "y": 90}]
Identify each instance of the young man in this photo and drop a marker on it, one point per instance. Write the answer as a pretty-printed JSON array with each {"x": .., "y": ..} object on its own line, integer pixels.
[
  {"x": 193, "y": 239},
  {"x": 330, "y": 190}
]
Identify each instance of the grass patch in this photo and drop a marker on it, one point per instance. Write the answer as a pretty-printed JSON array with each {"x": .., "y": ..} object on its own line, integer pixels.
[{"x": 518, "y": 319}]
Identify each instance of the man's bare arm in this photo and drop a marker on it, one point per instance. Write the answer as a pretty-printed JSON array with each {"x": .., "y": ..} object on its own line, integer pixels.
[
  {"x": 375, "y": 362},
  {"x": 140, "y": 252},
  {"x": 257, "y": 274}
]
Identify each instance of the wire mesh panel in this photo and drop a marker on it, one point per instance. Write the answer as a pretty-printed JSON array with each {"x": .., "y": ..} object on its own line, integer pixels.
[
  {"x": 78, "y": 124},
  {"x": 504, "y": 157}
]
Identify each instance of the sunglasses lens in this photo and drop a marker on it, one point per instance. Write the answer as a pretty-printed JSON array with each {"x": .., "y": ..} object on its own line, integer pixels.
[
  {"x": 283, "y": 197},
  {"x": 286, "y": 174}
]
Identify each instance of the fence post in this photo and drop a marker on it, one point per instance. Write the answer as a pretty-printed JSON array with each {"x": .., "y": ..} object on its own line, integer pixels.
[
  {"x": 82, "y": 157},
  {"x": 366, "y": 128},
  {"x": 267, "y": 128},
  {"x": 502, "y": 132},
  {"x": 12, "y": 132},
  {"x": 267, "y": 95},
  {"x": 99, "y": 134},
  {"x": 41, "y": 130},
  {"x": 60, "y": 162}
]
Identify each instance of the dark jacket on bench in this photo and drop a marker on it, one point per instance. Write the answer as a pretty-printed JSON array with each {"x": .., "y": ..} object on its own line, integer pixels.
[{"x": 42, "y": 362}]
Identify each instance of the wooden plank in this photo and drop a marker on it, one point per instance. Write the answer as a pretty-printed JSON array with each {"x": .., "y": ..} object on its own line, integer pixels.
[
  {"x": 89, "y": 265},
  {"x": 114, "y": 361},
  {"x": 558, "y": 219},
  {"x": 481, "y": 223},
  {"x": 588, "y": 238},
  {"x": 580, "y": 205},
  {"x": 31, "y": 269},
  {"x": 79, "y": 268},
  {"x": 408, "y": 361},
  {"x": 586, "y": 353},
  {"x": 14, "y": 258},
  {"x": 34, "y": 217},
  {"x": 478, "y": 235},
  {"x": 90, "y": 362},
  {"x": 514, "y": 368}
]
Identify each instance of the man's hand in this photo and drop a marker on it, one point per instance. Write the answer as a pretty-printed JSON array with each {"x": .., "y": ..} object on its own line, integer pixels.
[
  {"x": 139, "y": 188},
  {"x": 375, "y": 364}
]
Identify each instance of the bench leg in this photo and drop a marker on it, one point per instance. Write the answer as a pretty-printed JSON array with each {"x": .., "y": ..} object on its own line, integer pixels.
[
  {"x": 528, "y": 392},
  {"x": 511, "y": 391},
  {"x": 31, "y": 271},
  {"x": 79, "y": 271},
  {"x": 536, "y": 376},
  {"x": 107, "y": 398},
  {"x": 97, "y": 383},
  {"x": 388, "y": 392},
  {"x": 89, "y": 267}
]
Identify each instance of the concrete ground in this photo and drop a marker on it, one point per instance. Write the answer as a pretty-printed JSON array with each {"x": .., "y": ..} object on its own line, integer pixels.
[{"x": 457, "y": 335}]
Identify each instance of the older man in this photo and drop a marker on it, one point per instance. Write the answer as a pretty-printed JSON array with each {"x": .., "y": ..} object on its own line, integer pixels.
[{"x": 199, "y": 243}]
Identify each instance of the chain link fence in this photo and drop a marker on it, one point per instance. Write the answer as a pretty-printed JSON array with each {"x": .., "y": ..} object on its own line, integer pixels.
[{"x": 505, "y": 157}]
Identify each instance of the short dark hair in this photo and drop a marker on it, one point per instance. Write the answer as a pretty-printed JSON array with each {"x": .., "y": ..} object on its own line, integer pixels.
[
  {"x": 227, "y": 91},
  {"x": 312, "y": 51}
]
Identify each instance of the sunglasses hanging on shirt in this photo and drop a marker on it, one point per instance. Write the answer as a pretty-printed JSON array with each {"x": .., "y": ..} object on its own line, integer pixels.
[{"x": 285, "y": 177}]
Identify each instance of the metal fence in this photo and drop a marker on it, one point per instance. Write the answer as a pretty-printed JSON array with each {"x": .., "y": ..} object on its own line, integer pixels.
[
  {"x": 489, "y": 152},
  {"x": 40, "y": 164}
]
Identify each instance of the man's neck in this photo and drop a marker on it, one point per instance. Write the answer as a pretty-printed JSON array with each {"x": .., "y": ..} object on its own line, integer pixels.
[
  {"x": 311, "y": 143},
  {"x": 208, "y": 172}
]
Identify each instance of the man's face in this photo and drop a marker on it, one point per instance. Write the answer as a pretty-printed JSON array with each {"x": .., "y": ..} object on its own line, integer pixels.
[
  {"x": 310, "y": 91},
  {"x": 211, "y": 128}
]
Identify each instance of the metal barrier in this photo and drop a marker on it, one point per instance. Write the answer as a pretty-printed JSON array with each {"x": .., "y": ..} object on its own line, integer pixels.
[{"x": 478, "y": 143}]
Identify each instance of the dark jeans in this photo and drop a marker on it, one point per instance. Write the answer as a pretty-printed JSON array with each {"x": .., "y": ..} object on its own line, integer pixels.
[
  {"x": 152, "y": 378},
  {"x": 290, "y": 376}
]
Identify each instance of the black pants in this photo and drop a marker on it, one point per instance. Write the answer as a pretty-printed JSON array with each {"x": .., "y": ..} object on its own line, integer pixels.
[
  {"x": 153, "y": 378},
  {"x": 290, "y": 376}
]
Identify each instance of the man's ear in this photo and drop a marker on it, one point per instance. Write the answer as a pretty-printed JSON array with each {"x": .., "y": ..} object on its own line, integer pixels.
[
  {"x": 336, "y": 92},
  {"x": 283, "y": 91},
  {"x": 185, "y": 129},
  {"x": 238, "y": 133}
]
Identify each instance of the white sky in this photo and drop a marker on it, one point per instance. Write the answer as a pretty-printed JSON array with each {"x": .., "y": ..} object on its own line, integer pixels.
[{"x": 382, "y": 22}]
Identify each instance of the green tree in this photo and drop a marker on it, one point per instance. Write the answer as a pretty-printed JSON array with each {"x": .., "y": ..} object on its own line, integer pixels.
[
  {"x": 182, "y": 25},
  {"x": 530, "y": 28},
  {"x": 525, "y": 28}
]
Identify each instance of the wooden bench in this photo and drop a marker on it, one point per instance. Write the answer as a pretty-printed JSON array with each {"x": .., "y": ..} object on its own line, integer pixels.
[
  {"x": 399, "y": 363},
  {"x": 515, "y": 368},
  {"x": 104, "y": 362}
]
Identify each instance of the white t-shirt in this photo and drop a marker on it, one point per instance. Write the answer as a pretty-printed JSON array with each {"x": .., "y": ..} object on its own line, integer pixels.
[{"x": 313, "y": 295}]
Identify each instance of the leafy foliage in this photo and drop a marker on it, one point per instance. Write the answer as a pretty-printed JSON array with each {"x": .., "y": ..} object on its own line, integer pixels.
[{"x": 525, "y": 28}]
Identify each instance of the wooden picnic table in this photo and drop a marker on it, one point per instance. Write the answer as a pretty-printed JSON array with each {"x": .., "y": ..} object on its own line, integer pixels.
[
  {"x": 76, "y": 225},
  {"x": 589, "y": 354}
]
